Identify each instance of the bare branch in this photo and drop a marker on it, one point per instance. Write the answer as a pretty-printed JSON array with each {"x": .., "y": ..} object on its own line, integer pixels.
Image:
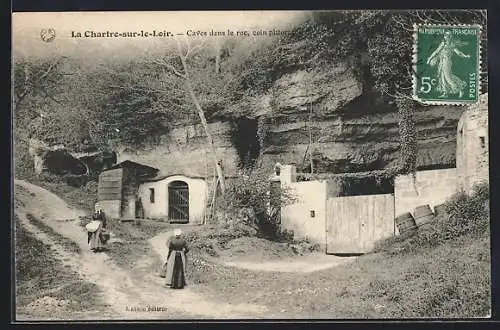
[
  {"x": 441, "y": 15},
  {"x": 138, "y": 89},
  {"x": 396, "y": 95},
  {"x": 420, "y": 18},
  {"x": 47, "y": 94},
  {"x": 46, "y": 73},
  {"x": 401, "y": 24},
  {"x": 169, "y": 66},
  {"x": 191, "y": 50}
]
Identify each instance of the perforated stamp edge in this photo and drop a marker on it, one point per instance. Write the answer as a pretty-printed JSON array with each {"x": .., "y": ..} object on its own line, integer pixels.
[{"x": 415, "y": 58}]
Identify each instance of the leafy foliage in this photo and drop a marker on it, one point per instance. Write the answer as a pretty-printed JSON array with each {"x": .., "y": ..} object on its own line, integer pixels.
[{"x": 251, "y": 193}]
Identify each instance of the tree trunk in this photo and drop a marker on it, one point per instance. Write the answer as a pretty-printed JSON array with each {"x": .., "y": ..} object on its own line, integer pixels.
[
  {"x": 311, "y": 141},
  {"x": 217, "y": 57},
  {"x": 193, "y": 97}
]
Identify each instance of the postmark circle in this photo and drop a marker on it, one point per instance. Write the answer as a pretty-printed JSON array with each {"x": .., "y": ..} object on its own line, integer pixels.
[{"x": 48, "y": 35}]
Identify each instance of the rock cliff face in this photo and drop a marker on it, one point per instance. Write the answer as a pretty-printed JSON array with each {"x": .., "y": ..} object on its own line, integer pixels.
[
  {"x": 352, "y": 129},
  {"x": 185, "y": 150}
]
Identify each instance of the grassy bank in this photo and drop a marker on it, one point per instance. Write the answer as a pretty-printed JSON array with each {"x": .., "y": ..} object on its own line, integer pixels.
[
  {"x": 40, "y": 275},
  {"x": 68, "y": 244}
]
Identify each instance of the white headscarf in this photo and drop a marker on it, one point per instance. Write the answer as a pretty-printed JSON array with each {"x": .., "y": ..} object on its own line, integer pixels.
[{"x": 177, "y": 232}]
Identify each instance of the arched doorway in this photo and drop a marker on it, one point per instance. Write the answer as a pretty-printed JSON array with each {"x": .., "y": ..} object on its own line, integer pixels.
[{"x": 178, "y": 202}]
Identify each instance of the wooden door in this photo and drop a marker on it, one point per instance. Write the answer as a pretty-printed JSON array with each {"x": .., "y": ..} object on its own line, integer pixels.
[
  {"x": 355, "y": 223},
  {"x": 178, "y": 202}
]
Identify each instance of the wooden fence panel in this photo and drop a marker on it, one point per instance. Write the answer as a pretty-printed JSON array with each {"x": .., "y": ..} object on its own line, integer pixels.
[
  {"x": 355, "y": 223},
  {"x": 110, "y": 185}
]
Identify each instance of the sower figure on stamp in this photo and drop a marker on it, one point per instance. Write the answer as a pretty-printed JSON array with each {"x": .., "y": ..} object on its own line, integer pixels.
[
  {"x": 174, "y": 270},
  {"x": 448, "y": 83}
]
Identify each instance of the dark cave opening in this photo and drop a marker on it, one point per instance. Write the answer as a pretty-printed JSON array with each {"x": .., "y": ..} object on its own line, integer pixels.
[
  {"x": 245, "y": 140},
  {"x": 355, "y": 186}
]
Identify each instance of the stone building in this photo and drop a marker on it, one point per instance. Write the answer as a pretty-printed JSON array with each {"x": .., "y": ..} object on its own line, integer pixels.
[
  {"x": 176, "y": 198},
  {"x": 472, "y": 145}
]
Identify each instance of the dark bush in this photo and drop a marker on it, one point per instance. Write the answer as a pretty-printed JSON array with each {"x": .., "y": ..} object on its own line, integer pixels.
[
  {"x": 252, "y": 193},
  {"x": 77, "y": 180},
  {"x": 51, "y": 178},
  {"x": 466, "y": 213}
]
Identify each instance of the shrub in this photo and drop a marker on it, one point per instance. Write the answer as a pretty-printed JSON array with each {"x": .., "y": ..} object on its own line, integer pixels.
[
  {"x": 77, "y": 180},
  {"x": 467, "y": 213},
  {"x": 252, "y": 194},
  {"x": 23, "y": 162},
  {"x": 51, "y": 178}
]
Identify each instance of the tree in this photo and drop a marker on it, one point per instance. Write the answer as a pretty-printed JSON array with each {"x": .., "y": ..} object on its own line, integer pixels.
[
  {"x": 36, "y": 84},
  {"x": 178, "y": 80},
  {"x": 201, "y": 113}
]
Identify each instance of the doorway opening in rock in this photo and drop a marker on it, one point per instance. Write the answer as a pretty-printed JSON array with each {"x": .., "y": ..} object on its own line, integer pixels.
[
  {"x": 245, "y": 140},
  {"x": 366, "y": 185},
  {"x": 178, "y": 202}
]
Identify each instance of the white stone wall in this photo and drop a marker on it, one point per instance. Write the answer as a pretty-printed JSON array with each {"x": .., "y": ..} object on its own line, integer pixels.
[
  {"x": 307, "y": 216},
  {"x": 472, "y": 145},
  {"x": 311, "y": 196},
  {"x": 432, "y": 187}
]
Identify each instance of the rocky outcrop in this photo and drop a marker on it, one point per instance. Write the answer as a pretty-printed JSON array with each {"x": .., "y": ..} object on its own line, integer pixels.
[
  {"x": 364, "y": 140},
  {"x": 185, "y": 150},
  {"x": 352, "y": 130},
  {"x": 327, "y": 89},
  {"x": 54, "y": 159},
  {"x": 61, "y": 161}
]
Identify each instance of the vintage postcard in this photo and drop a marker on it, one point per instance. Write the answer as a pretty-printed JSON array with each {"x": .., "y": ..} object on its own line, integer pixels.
[{"x": 250, "y": 165}]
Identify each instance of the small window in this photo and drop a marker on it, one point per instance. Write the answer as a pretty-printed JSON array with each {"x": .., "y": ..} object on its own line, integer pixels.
[
  {"x": 483, "y": 141},
  {"x": 152, "y": 195}
]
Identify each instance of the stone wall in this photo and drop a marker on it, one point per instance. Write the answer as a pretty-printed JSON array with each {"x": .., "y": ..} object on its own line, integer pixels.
[
  {"x": 472, "y": 145},
  {"x": 307, "y": 216},
  {"x": 432, "y": 187}
]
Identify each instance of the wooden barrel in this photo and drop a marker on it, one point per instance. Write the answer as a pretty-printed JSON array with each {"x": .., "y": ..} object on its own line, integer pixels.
[
  {"x": 439, "y": 209},
  {"x": 423, "y": 215},
  {"x": 406, "y": 223}
]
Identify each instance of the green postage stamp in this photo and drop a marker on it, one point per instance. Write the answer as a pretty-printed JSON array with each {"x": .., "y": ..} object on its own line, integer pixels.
[{"x": 446, "y": 64}]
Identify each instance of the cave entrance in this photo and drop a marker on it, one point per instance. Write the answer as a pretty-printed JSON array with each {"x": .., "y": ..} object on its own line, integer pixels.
[
  {"x": 246, "y": 142},
  {"x": 369, "y": 185}
]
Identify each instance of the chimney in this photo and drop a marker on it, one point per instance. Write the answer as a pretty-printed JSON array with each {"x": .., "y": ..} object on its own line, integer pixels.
[{"x": 288, "y": 174}]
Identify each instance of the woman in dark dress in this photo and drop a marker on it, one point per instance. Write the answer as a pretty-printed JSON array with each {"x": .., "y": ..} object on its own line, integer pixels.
[{"x": 176, "y": 261}]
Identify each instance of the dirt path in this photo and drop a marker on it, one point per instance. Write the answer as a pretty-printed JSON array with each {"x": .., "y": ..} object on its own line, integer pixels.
[
  {"x": 120, "y": 289},
  {"x": 301, "y": 264},
  {"x": 190, "y": 300}
]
